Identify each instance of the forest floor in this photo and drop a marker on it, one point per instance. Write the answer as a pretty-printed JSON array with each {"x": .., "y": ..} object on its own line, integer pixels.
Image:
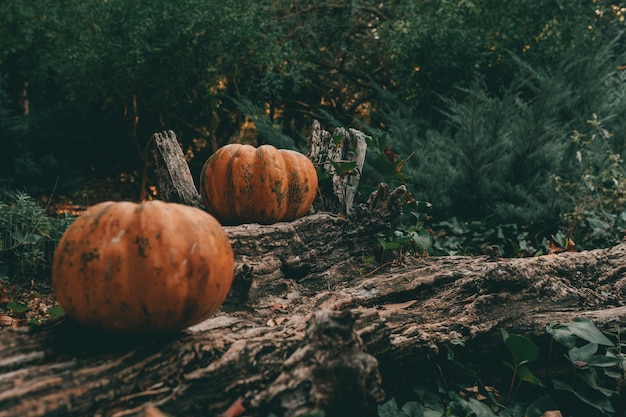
[{"x": 26, "y": 306}]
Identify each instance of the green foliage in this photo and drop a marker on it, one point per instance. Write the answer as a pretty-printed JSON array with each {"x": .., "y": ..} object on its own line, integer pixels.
[
  {"x": 523, "y": 351},
  {"x": 596, "y": 217},
  {"x": 28, "y": 237},
  {"x": 496, "y": 160},
  {"x": 440, "y": 46},
  {"x": 484, "y": 94},
  {"x": 592, "y": 388},
  {"x": 408, "y": 233}
]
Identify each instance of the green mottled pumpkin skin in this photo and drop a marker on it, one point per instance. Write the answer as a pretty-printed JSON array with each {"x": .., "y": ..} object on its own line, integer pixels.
[
  {"x": 142, "y": 268},
  {"x": 245, "y": 184}
]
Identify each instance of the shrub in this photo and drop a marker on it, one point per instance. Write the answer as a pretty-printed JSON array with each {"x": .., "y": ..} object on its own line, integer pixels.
[
  {"x": 28, "y": 236},
  {"x": 502, "y": 157},
  {"x": 596, "y": 217}
]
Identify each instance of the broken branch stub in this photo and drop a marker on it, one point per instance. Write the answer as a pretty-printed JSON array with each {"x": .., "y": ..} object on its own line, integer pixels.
[
  {"x": 341, "y": 156},
  {"x": 172, "y": 171}
]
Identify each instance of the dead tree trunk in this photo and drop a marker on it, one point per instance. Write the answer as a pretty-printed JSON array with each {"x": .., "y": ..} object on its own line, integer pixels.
[
  {"x": 309, "y": 324},
  {"x": 341, "y": 156},
  {"x": 172, "y": 172}
]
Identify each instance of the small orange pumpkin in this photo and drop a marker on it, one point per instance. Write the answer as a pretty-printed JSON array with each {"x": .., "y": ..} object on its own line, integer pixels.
[
  {"x": 149, "y": 267},
  {"x": 243, "y": 184}
]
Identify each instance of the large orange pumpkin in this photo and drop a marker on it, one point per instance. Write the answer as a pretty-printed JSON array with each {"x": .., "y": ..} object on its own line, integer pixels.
[
  {"x": 149, "y": 267},
  {"x": 244, "y": 184}
]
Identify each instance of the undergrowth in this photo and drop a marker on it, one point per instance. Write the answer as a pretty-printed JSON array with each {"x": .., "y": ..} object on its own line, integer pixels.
[
  {"x": 28, "y": 236},
  {"x": 582, "y": 374}
]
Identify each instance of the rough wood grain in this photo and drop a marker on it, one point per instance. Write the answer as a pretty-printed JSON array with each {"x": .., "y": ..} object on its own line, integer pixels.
[
  {"x": 328, "y": 151},
  {"x": 172, "y": 171}
]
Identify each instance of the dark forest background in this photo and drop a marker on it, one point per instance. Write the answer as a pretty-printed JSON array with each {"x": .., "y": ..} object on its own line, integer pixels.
[{"x": 513, "y": 112}]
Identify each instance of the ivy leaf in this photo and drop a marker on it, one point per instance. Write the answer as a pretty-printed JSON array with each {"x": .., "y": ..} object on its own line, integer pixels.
[
  {"x": 413, "y": 409},
  {"x": 587, "y": 395},
  {"x": 56, "y": 311},
  {"x": 390, "y": 409},
  {"x": 580, "y": 356},
  {"x": 562, "y": 335},
  {"x": 387, "y": 245},
  {"x": 525, "y": 374},
  {"x": 586, "y": 330},
  {"x": 540, "y": 406},
  {"x": 343, "y": 168},
  {"x": 17, "y": 307},
  {"x": 337, "y": 139},
  {"x": 522, "y": 349}
]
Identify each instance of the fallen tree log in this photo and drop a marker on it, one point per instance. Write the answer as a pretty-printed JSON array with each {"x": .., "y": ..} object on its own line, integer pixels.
[
  {"x": 395, "y": 317},
  {"x": 309, "y": 324}
]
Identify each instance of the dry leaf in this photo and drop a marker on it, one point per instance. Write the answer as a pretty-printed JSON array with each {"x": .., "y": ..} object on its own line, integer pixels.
[
  {"x": 473, "y": 391},
  {"x": 4, "y": 295},
  {"x": 235, "y": 409},
  {"x": 152, "y": 411},
  {"x": 391, "y": 155},
  {"x": 5, "y": 320},
  {"x": 281, "y": 308}
]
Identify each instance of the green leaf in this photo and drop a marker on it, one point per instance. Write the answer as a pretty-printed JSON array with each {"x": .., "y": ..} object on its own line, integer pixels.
[
  {"x": 392, "y": 245},
  {"x": 337, "y": 139},
  {"x": 430, "y": 412},
  {"x": 604, "y": 361},
  {"x": 513, "y": 410},
  {"x": 321, "y": 174},
  {"x": 582, "y": 354},
  {"x": 413, "y": 409},
  {"x": 56, "y": 311},
  {"x": 343, "y": 167},
  {"x": 590, "y": 376},
  {"x": 587, "y": 330},
  {"x": 17, "y": 307},
  {"x": 460, "y": 407},
  {"x": 562, "y": 334},
  {"x": 589, "y": 396},
  {"x": 387, "y": 245},
  {"x": 382, "y": 143},
  {"x": 559, "y": 239},
  {"x": 26, "y": 238},
  {"x": 540, "y": 406},
  {"x": 526, "y": 375},
  {"x": 522, "y": 349},
  {"x": 422, "y": 240},
  {"x": 432, "y": 405},
  {"x": 390, "y": 409}
]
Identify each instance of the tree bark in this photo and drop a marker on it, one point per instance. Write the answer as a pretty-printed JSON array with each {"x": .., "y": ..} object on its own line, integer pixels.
[{"x": 310, "y": 323}]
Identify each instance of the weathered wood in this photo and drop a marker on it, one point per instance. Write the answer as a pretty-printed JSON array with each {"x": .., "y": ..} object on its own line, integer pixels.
[
  {"x": 329, "y": 151},
  {"x": 309, "y": 323},
  {"x": 172, "y": 171}
]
